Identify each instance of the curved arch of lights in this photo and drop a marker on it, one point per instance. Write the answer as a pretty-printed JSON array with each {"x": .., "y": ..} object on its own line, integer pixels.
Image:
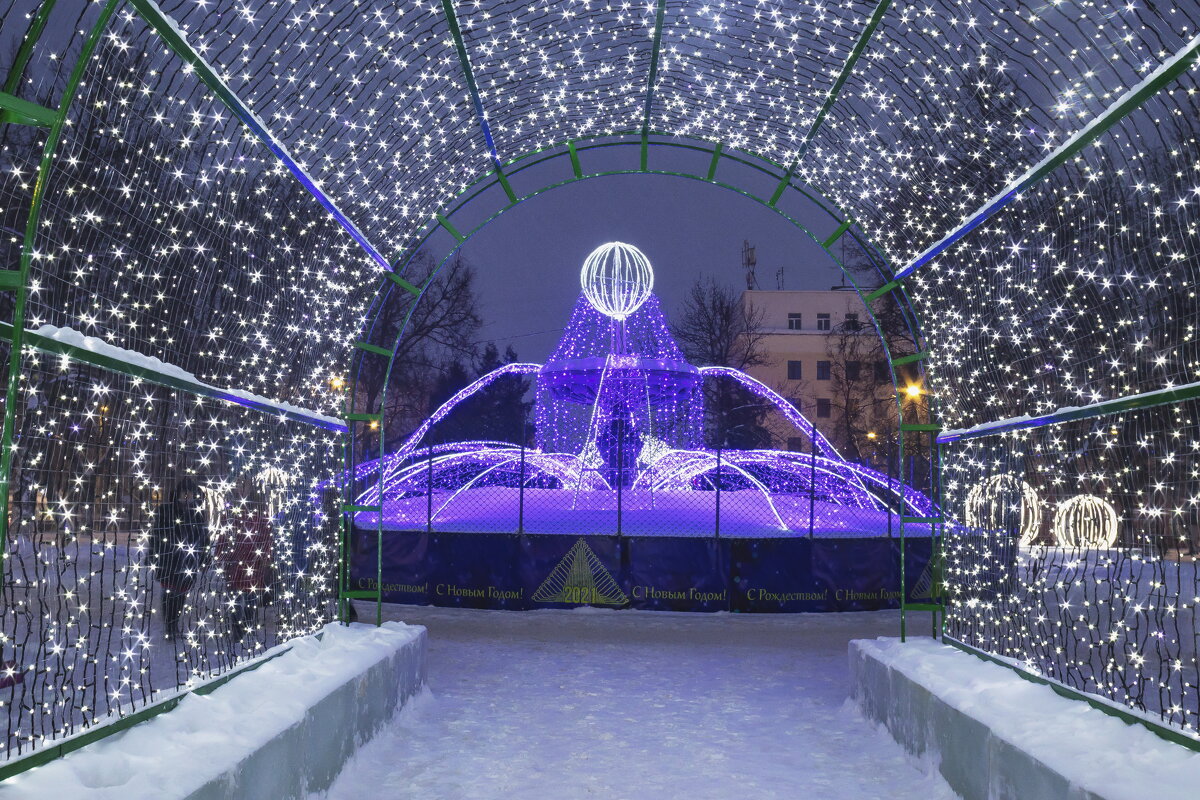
[{"x": 184, "y": 161}]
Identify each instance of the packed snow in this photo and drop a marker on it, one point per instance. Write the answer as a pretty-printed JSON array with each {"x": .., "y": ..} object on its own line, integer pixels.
[
  {"x": 177, "y": 752},
  {"x": 1094, "y": 751},
  {"x": 630, "y": 704}
]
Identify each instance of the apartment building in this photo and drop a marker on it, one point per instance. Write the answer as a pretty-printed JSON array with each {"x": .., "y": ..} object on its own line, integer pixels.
[{"x": 824, "y": 355}]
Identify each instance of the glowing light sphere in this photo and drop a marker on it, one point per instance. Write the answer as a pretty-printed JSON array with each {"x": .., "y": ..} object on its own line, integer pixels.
[
  {"x": 617, "y": 279},
  {"x": 992, "y": 504},
  {"x": 1085, "y": 521}
]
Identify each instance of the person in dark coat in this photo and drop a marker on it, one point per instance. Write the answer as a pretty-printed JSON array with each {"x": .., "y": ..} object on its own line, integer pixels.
[
  {"x": 619, "y": 445},
  {"x": 179, "y": 548},
  {"x": 244, "y": 554}
]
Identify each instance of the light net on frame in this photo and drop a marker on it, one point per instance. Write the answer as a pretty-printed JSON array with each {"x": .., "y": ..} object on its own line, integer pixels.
[{"x": 168, "y": 229}]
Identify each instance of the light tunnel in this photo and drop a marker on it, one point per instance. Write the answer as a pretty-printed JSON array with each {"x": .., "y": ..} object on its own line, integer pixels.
[{"x": 214, "y": 216}]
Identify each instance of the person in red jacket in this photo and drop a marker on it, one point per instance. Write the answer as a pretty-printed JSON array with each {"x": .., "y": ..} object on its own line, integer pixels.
[{"x": 244, "y": 553}]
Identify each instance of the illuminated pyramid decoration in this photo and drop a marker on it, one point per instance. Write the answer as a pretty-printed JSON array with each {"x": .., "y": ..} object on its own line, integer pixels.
[
  {"x": 580, "y": 578},
  {"x": 923, "y": 589}
]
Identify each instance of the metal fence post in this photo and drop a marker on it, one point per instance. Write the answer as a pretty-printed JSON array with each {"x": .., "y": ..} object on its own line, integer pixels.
[
  {"x": 812, "y": 479},
  {"x": 892, "y": 501},
  {"x": 717, "y": 528},
  {"x": 429, "y": 493},
  {"x": 620, "y": 472},
  {"x": 521, "y": 490}
]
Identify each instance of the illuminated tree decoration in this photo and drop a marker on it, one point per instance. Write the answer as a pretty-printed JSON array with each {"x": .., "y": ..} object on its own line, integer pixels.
[
  {"x": 1003, "y": 501},
  {"x": 617, "y": 279},
  {"x": 1085, "y": 521}
]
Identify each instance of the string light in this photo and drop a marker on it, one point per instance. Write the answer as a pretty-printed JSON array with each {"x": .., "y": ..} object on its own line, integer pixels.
[{"x": 169, "y": 230}]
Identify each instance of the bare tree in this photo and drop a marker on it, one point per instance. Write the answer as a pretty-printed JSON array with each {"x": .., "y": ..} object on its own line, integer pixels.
[
  {"x": 715, "y": 328},
  {"x": 442, "y": 329}
]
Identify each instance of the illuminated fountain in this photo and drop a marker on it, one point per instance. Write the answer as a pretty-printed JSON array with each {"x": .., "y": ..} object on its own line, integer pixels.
[{"x": 619, "y": 445}]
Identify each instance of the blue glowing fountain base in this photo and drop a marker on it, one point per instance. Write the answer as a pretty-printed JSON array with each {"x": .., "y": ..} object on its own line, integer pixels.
[{"x": 743, "y": 514}]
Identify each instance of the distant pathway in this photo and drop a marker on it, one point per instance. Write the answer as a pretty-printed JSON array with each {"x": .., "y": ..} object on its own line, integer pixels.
[{"x": 627, "y": 704}]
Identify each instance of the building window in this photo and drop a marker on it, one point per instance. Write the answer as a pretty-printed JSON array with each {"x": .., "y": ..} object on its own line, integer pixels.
[
  {"x": 852, "y": 322},
  {"x": 882, "y": 373},
  {"x": 794, "y": 322},
  {"x": 823, "y": 370},
  {"x": 823, "y": 323},
  {"x": 824, "y": 407},
  {"x": 853, "y": 370},
  {"x": 796, "y": 444},
  {"x": 795, "y": 370}
]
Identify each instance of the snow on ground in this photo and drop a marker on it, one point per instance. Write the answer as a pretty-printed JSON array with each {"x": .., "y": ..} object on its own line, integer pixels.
[{"x": 632, "y": 704}]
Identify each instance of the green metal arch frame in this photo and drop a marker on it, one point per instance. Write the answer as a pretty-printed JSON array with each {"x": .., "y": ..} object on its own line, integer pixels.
[
  {"x": 548, "y": 153},
  {"x": 19, "y": 282},
  {"x": 628, "y": 138}
]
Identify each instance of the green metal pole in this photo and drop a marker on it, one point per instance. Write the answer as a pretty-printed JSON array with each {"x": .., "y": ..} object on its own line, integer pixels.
[
  {"x": 112, "y": 363},
  {"x": 655, "y": 49},
  {"x": 832, "y": 95},
  {"x": 1125, "y": 105},
  {"x": 27, "y": 247},
  {"x": 476, "y": 98},
  {"x": 13, "y": 80},
  {"x": 174, "y": 39}
]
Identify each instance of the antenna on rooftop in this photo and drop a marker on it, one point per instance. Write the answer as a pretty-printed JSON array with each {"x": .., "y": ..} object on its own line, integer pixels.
[
  {"x": 779, "y": 279},
  {"x": 749, "y": 262}
]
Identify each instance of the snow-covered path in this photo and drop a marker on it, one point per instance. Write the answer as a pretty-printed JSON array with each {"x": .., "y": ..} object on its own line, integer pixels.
[{"x": 627, "y": 704}]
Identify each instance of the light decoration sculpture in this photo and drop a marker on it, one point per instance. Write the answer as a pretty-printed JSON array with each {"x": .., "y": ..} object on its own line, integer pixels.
[
  {"x": 1085, "y": 521},
  {"x": 617, "y": 279},
  {"x": 1003, "y": 501},
  {"x": 619, "y": 422}
]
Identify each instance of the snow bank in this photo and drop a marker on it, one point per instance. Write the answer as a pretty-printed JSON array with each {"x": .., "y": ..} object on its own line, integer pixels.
[
  {"x": 281, "y": 730},
  {"x": 998, "y": 735}
]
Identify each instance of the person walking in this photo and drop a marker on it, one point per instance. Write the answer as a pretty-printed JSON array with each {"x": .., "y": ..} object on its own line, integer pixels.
[{"x": 179, "y": 548}]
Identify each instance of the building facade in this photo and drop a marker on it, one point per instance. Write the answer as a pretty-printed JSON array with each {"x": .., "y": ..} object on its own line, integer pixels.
[{"x": 822, "y": 352}]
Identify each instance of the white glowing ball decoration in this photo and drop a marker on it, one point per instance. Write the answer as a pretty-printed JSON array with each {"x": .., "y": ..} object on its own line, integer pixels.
[
  {"x": 1086, "y": 521},
  {"x": 617, "y": 279},
  {"x": 990, "y": 503}
]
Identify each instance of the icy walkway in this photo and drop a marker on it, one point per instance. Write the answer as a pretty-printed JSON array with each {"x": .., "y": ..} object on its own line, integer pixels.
[{"x": 636, "y": 705}]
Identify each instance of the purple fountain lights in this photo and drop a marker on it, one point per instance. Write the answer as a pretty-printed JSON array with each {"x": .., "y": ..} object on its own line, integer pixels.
[{"x": 618, "y": 409}]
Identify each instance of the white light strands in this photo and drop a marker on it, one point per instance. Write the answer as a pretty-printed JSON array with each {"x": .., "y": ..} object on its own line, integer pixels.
[
  {"x": 1086, "y": 521},
  {"x": 996, "y": 502},
  {"x": 617, "y": 278}
]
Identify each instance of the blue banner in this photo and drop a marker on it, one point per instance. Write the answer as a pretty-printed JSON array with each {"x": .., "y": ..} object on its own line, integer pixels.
[{"x": 512, "y": 571}]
